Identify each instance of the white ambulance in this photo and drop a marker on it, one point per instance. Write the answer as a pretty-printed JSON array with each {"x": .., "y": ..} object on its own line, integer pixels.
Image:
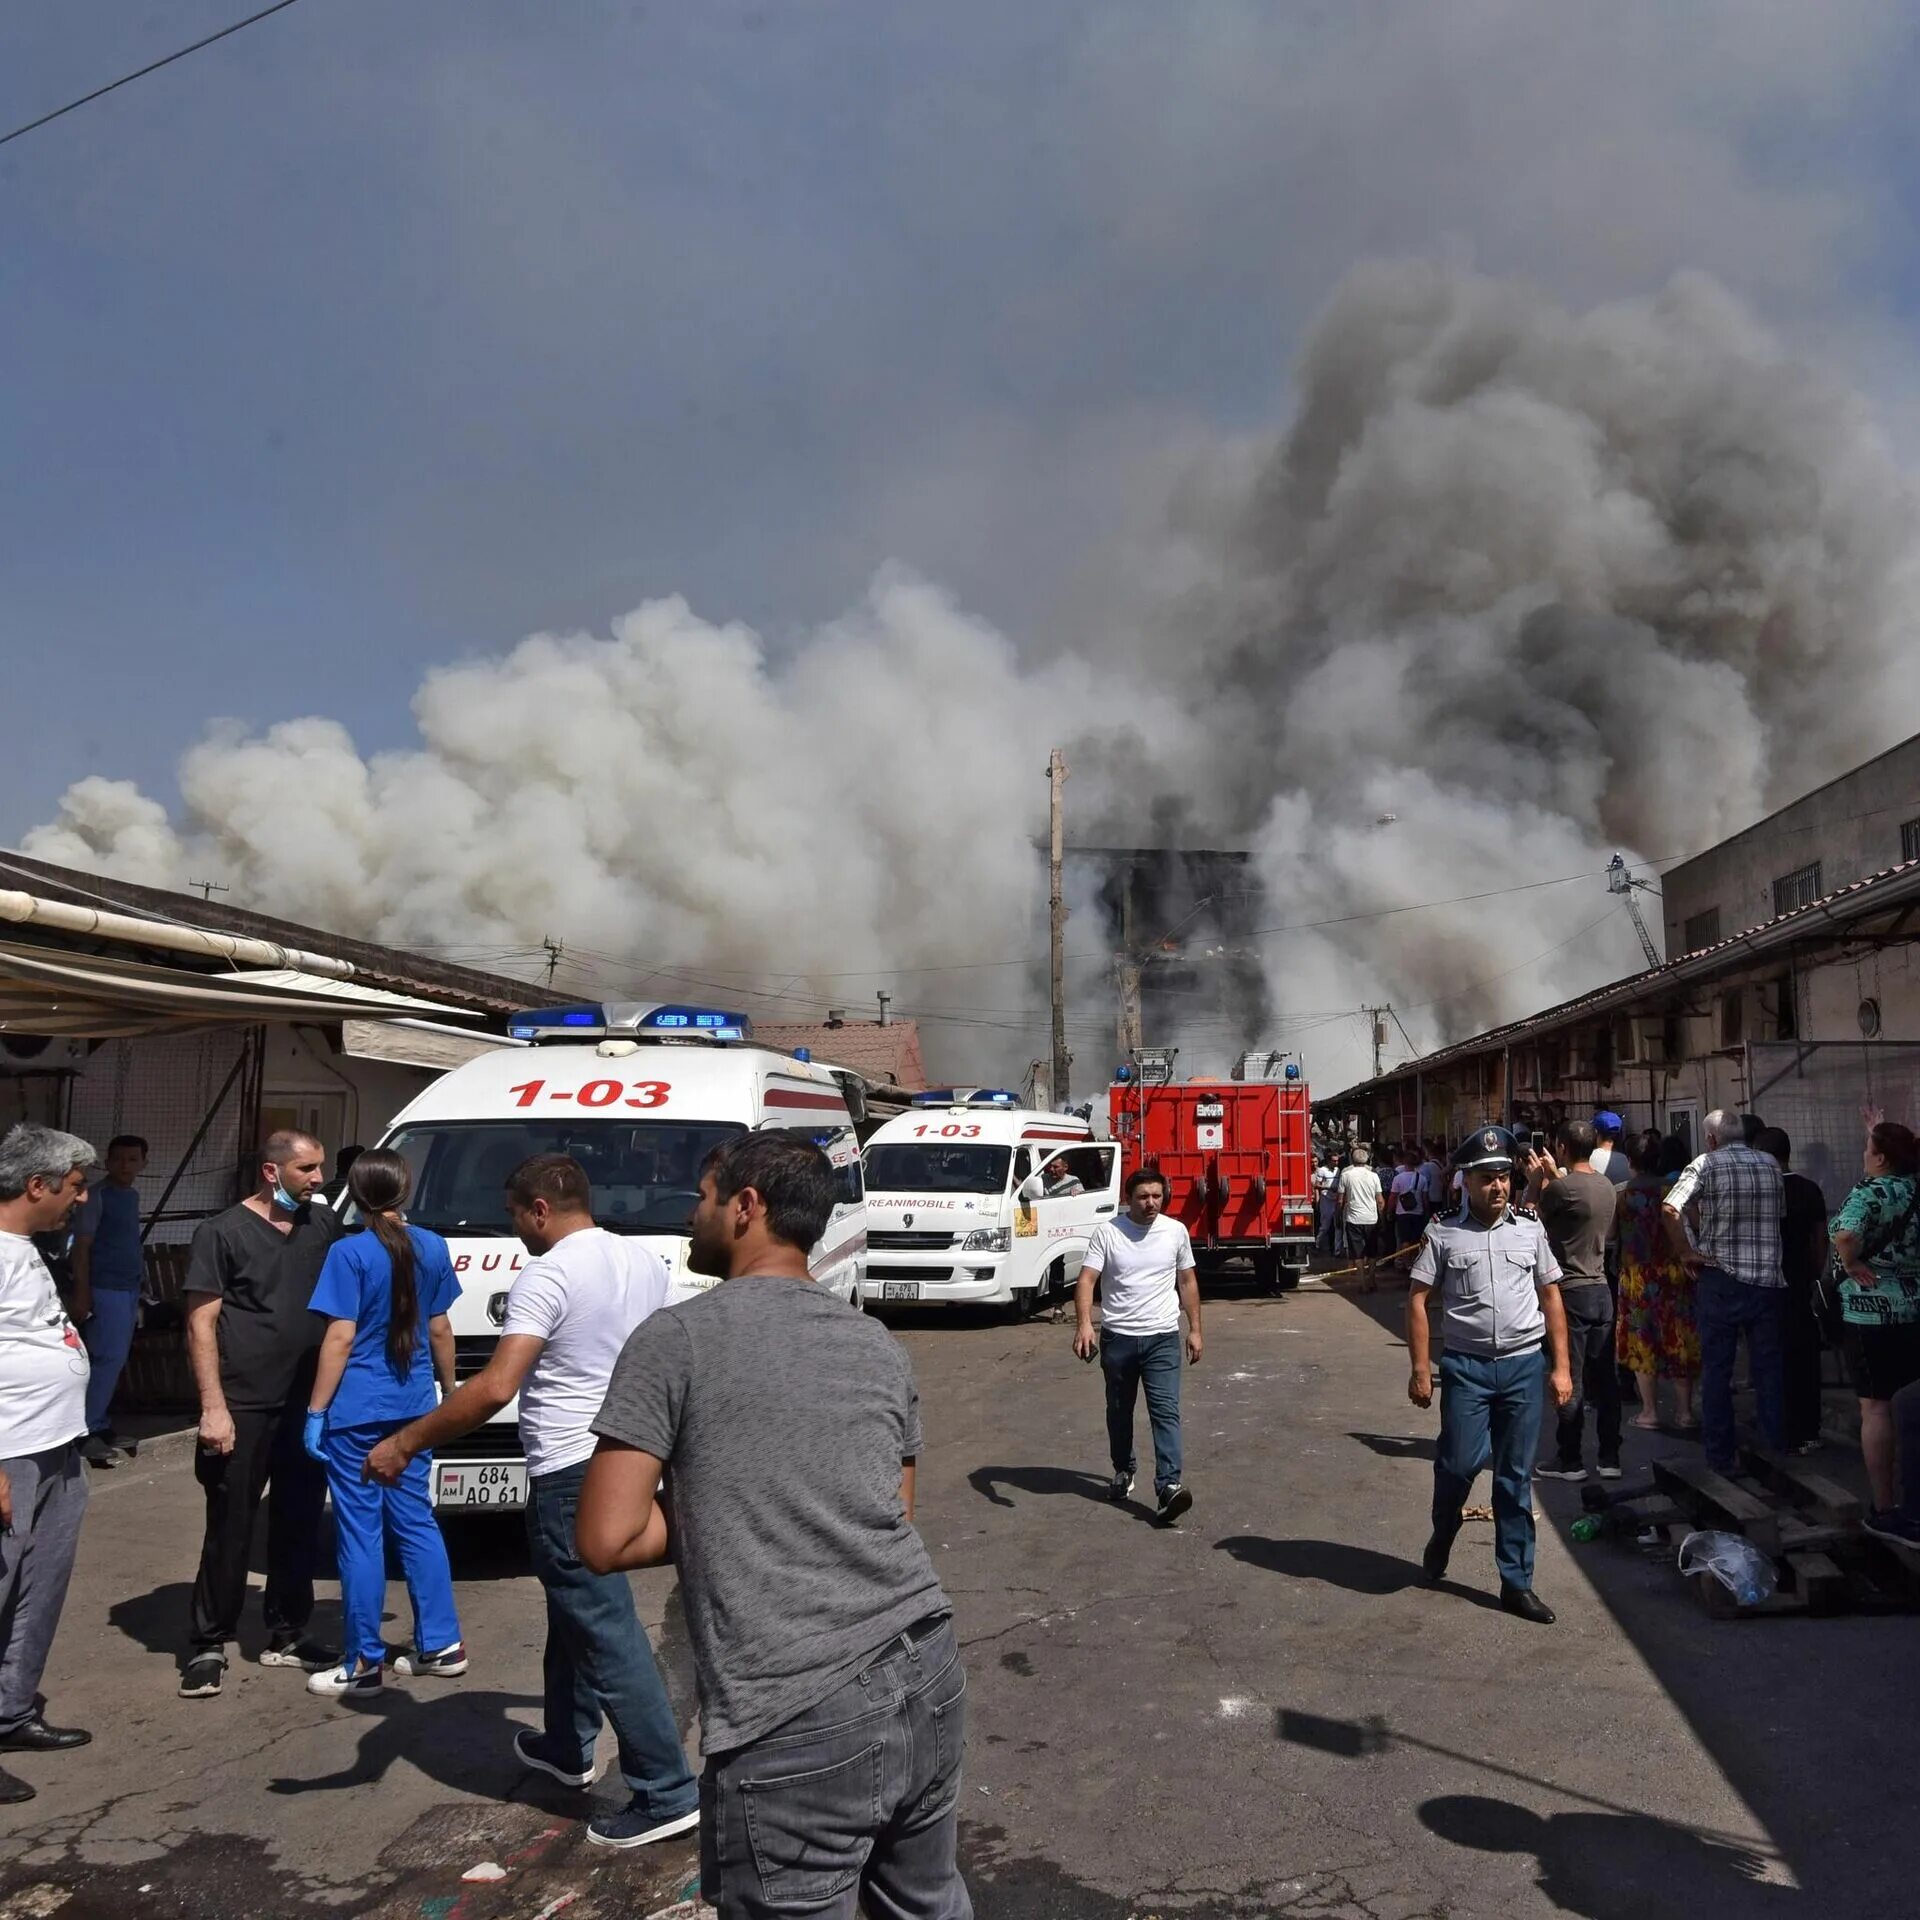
[
  {"x": 973, "y": 1198},
  {"x": 639, "y": 1095}
]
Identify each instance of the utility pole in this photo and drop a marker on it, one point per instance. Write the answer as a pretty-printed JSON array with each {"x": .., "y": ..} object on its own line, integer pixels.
[
  {"x": 208, "y": 888},
  {"x": 555, "y": 951},
  {"x": 1126, "y": 977},
  {"x": 1378, "y": 1016},
  {"x": 1057, "y": 921}
]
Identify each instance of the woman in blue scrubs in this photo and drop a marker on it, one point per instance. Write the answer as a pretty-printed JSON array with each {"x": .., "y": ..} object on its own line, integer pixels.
[{"x": 386, "y": 1291}]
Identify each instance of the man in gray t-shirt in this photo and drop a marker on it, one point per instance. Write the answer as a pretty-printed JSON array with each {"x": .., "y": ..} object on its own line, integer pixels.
[
  {"x": 786, "y": 1425},
  {"x": 1576, "y": 1206}
]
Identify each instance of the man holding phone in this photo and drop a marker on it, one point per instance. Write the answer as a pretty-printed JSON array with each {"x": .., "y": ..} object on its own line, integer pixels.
[{"x": 1499, "y": 1290}]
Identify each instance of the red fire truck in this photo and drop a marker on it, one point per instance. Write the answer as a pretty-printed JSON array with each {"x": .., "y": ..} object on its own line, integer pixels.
[{"x": 1237, "y": 1155}]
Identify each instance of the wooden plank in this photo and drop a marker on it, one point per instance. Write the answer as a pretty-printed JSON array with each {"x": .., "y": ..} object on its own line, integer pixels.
[
  {"x": 1819, "y": 1582},
  {"x": 1714, "y": 1499},
  {"x": 1805, "y": 1487}
]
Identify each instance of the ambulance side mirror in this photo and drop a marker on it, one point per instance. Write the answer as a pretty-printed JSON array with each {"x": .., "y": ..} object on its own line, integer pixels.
[{"x": 1033, "y": 1188}]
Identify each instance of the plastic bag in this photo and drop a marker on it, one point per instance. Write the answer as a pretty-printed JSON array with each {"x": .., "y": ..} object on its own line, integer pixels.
[{"x": 1734, "y": 1561}]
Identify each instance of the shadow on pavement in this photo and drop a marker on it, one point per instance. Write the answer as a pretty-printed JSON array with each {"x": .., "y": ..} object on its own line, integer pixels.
[
  {"x": 462, "y": 1739},
  {"x": 1336, "y": 1564},
  {"x": 987, "y": 1482},
  {"x": 1617, "y": 1866},
  {"x": 1397, "y": 1446}
]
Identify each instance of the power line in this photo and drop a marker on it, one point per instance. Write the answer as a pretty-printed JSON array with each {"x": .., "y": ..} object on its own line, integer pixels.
[{"x": 140, "y": 73}]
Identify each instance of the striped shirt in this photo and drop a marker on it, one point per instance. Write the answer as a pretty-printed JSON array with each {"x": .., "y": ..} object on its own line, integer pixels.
[{"x": 1741, "y": 1199}]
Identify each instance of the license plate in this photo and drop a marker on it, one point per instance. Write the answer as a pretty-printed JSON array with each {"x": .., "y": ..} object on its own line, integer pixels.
[
  {"x": 899, "y": 1289},
  {"x": 488, "y": 1483}
]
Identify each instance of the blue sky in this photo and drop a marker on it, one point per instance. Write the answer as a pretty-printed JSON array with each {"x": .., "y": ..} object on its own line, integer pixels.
[{"x": 378, "y": 336}]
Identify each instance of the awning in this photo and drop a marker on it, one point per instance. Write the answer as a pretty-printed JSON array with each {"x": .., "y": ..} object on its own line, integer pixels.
[
  {"x": 416, "y": 1043},
  {"x": 88, "y": 996}
]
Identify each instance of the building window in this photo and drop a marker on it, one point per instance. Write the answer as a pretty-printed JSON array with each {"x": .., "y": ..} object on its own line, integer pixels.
[
  {"x": 1910, "y": 840},
  {"x": 1800, "y": 888},
  {"x": 1701, "y": 930}
]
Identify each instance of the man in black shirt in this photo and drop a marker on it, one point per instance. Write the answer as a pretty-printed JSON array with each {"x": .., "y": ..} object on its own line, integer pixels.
[
  {"x": 1803, "y": 1256},
  {"x": 253, "y": 1343}
]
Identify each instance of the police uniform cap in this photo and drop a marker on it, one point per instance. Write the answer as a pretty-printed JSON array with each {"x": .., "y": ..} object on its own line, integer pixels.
[{"x": 1492, "y": 1148}]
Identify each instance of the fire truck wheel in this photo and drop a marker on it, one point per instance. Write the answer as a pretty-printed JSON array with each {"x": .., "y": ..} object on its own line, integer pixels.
[{"x": 1266, "y": 1271}]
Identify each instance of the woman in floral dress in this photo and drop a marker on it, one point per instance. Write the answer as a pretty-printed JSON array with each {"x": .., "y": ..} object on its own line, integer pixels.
[{"x": 1657, "y": 1338}]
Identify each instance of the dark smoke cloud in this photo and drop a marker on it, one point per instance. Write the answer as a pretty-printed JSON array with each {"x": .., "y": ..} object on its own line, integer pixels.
[{"x": 1536, "y": 583}]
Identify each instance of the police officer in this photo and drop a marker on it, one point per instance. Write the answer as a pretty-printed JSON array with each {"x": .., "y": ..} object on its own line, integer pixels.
[{"x": 1499, "y": 1291}]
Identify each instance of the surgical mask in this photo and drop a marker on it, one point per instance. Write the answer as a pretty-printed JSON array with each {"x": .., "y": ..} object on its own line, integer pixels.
[{"x": 281, "y": 1197}]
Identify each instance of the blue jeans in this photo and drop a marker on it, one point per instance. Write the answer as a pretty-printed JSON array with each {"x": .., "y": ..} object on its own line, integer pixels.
[
  {"x": 598, "y": 1662},
  {"x": 109, "y": 1338},
  {"x": 364, "y": 1514},
  {"x": 1490, "y": 1411},
  {"x": 857, "y": 1799},
  {"x": 1723, "y": 1306},
  {"x": 1152, "y": 1360}
]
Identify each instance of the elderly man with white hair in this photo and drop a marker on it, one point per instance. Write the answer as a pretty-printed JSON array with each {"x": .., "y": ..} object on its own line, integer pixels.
[
  {"x": 43, "y": 1419},
  {"x": 1733, "y": 1198}
]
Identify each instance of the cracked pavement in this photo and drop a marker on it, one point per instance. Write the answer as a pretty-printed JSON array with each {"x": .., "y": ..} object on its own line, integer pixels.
[{"x": 1261, "y": 1712}]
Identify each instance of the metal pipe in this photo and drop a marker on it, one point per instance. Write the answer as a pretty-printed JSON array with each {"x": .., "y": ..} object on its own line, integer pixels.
[{"x": 26, "y": 909}]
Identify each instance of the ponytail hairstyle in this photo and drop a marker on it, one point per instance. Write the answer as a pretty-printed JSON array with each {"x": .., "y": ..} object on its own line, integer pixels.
[{"x": 379, "y": 1183}]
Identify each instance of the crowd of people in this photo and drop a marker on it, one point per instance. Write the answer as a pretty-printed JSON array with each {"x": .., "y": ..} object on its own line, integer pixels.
[
  {"x": 761, "y": 1435},
  {"x": 1664, "y": 1262}
]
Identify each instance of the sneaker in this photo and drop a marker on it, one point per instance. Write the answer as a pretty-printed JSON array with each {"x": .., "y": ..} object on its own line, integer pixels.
[
  {"x": 1609, "y": 1469},
  {"x": 1173, "y": 1503},
  {"x": 447, "y": 1664},
  {"x": 1889, "y": 1523},
  {"x": 1560, "y": 1471},
  {"x": 98, "y": 1451},
  {"x": 200, "y": 1678},
  {"x": 535, "y": 1752},
  {"x": 1121, "y": 1487},
  {"x": 308, "y": 1655},
  {"x": 633, "y": 1826},
  {"x": 346, "y": 1681}
]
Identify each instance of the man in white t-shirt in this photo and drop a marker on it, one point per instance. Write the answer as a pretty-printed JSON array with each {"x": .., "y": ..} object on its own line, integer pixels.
[
  {"x": 1144, "y": 1264},
  {"x": 569, "y": 1312},
  {"x": 43, "y": 1419},
  {"x": 1358, "y": 1197}
]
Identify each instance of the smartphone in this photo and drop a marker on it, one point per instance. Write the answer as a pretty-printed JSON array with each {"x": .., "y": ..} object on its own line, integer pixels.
[{"x": 1539, "y": 1142}]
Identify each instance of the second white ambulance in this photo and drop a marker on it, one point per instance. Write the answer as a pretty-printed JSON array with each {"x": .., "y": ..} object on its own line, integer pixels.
[{"x": 971, "y": 1198}]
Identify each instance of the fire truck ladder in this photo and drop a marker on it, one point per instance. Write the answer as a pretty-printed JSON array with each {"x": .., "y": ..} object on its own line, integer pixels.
[{"x": 1620, "y": 881}]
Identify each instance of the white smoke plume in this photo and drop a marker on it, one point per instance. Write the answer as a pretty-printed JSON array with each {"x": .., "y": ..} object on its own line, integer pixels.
[{"x": 1538, "y": 584}]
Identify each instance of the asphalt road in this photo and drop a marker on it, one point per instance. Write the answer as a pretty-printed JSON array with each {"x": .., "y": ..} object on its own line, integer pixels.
[{"x": 1261, "y": 1712}]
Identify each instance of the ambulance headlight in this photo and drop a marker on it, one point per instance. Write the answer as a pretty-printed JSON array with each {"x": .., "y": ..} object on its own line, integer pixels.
[{"x": 988, "y": 1240}]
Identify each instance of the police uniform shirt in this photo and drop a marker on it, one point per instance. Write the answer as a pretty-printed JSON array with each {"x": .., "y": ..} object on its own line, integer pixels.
[{"x": 1488, "y": 1279}]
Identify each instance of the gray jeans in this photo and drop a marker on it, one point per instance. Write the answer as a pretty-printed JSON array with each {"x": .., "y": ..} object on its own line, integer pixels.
[
  {"x": 36, "y": 1559},
  {"x": 855, "y": 1800}
]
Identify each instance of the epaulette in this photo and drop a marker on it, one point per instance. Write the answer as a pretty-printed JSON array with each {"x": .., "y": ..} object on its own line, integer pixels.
[{"x": 1521, "y": 1211}]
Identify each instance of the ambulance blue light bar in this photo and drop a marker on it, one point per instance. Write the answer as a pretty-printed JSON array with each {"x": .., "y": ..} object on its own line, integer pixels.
[
  {"x": 964, "y": 1097},
  {"x": 630, "y": 1020}
]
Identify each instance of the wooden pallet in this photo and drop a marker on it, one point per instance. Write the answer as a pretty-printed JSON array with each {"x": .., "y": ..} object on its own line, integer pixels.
[{"x": 1808, "y": 1525}]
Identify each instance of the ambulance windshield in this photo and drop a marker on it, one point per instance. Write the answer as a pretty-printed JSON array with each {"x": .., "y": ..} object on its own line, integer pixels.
[
  {"x": 645, "y": 1173},
  {"x": 936, "y": 1167}
]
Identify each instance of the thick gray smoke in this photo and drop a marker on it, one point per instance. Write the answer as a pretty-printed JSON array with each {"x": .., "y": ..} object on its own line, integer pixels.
[{"x": 1536, "y": 584}]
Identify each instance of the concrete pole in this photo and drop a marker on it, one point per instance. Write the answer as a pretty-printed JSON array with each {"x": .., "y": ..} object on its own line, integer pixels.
[{"x": 1057, "y": 920}]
